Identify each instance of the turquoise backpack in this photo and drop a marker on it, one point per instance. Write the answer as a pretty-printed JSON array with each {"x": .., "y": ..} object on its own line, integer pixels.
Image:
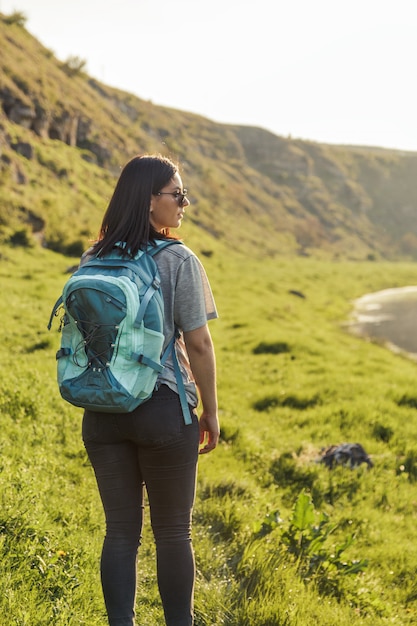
[{"x": 112, "y": 334}]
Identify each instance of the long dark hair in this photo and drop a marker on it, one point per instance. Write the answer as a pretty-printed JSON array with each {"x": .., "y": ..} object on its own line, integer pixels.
[{"x": 127, "y": 216}]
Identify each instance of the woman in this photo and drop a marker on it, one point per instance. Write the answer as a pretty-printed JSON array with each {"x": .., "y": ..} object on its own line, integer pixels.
[{"x": 152, "y": 446}]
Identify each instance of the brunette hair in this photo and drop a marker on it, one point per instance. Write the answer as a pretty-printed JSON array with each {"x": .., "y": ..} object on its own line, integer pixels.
[{"x": 127, "y": 216}]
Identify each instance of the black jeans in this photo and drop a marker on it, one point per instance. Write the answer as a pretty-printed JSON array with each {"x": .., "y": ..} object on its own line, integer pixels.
[{"x": 153, "y": 447}]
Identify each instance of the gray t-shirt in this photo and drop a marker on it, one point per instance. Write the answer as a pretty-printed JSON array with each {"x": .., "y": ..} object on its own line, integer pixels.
[{"x": 188, "y": 305}]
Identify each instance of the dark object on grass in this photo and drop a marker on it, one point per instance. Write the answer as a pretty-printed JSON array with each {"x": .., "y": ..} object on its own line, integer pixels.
[
  {"x": 276, "y": 347},
  {"x": 294, "y": 292},
  {"x": 352, "y": 454}
]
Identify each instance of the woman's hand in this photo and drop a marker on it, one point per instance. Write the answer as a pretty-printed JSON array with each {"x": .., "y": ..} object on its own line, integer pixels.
[{"x": 209, "y": 432}]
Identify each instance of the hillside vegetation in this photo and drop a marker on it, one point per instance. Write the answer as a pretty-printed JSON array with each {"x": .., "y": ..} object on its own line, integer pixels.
[{"x": 64, "y": 137}]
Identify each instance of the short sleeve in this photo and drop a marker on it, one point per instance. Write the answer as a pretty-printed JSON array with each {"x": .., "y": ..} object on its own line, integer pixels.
[{"x": 194, "y": 303}]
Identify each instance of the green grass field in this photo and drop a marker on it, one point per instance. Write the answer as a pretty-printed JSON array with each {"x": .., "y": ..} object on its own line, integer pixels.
[{"x": 279, "y": 539}]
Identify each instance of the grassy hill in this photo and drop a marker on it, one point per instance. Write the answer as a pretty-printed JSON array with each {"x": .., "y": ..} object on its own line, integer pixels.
[
  {"x": 64, "y": 137},
  {"x": 280, "y": 539}
]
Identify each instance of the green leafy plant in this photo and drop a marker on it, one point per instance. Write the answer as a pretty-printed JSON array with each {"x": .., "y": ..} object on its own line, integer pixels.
[{"x": 307, "y": 540}]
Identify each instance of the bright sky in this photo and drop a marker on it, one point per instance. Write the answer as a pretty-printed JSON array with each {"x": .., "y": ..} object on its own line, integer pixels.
[{"x": 326, "y": 70}]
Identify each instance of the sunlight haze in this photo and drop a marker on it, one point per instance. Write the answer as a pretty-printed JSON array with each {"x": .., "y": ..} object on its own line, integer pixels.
[{"x": 336, "y": 72}]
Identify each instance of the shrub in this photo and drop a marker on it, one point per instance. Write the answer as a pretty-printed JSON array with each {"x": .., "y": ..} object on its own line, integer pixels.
[
  {"x": 75, "y": 248},
  {"x": 407, "y": 400},
  {"x": 291, "y": 401},
  {"x": 382, "y": 432},
  {"x": 278, "y": 347},
  {"x": 74, "y": 66},
  {"x": 21, "y": 237},
  {"x": 17, "y": 17}
]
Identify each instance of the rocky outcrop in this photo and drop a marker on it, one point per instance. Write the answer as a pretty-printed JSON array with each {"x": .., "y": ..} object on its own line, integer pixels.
[
  {"x": 66, "y": 126},
  {"x": 23, "y": 148},
  {"x": 21, "y": 114}
]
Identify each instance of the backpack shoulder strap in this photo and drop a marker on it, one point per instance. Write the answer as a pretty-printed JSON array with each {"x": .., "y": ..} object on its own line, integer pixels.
[
  {"x": 170, "y": 349},
  {"x": 161, "y": 244},
  {"x": 54, "y": 311}
]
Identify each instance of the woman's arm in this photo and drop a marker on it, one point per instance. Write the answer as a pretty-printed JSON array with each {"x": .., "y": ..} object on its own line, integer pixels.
[{"x": 203, "y": 365}]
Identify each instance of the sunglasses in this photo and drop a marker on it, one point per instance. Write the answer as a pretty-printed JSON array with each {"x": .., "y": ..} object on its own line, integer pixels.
[{"x": 179, "y": 197}]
